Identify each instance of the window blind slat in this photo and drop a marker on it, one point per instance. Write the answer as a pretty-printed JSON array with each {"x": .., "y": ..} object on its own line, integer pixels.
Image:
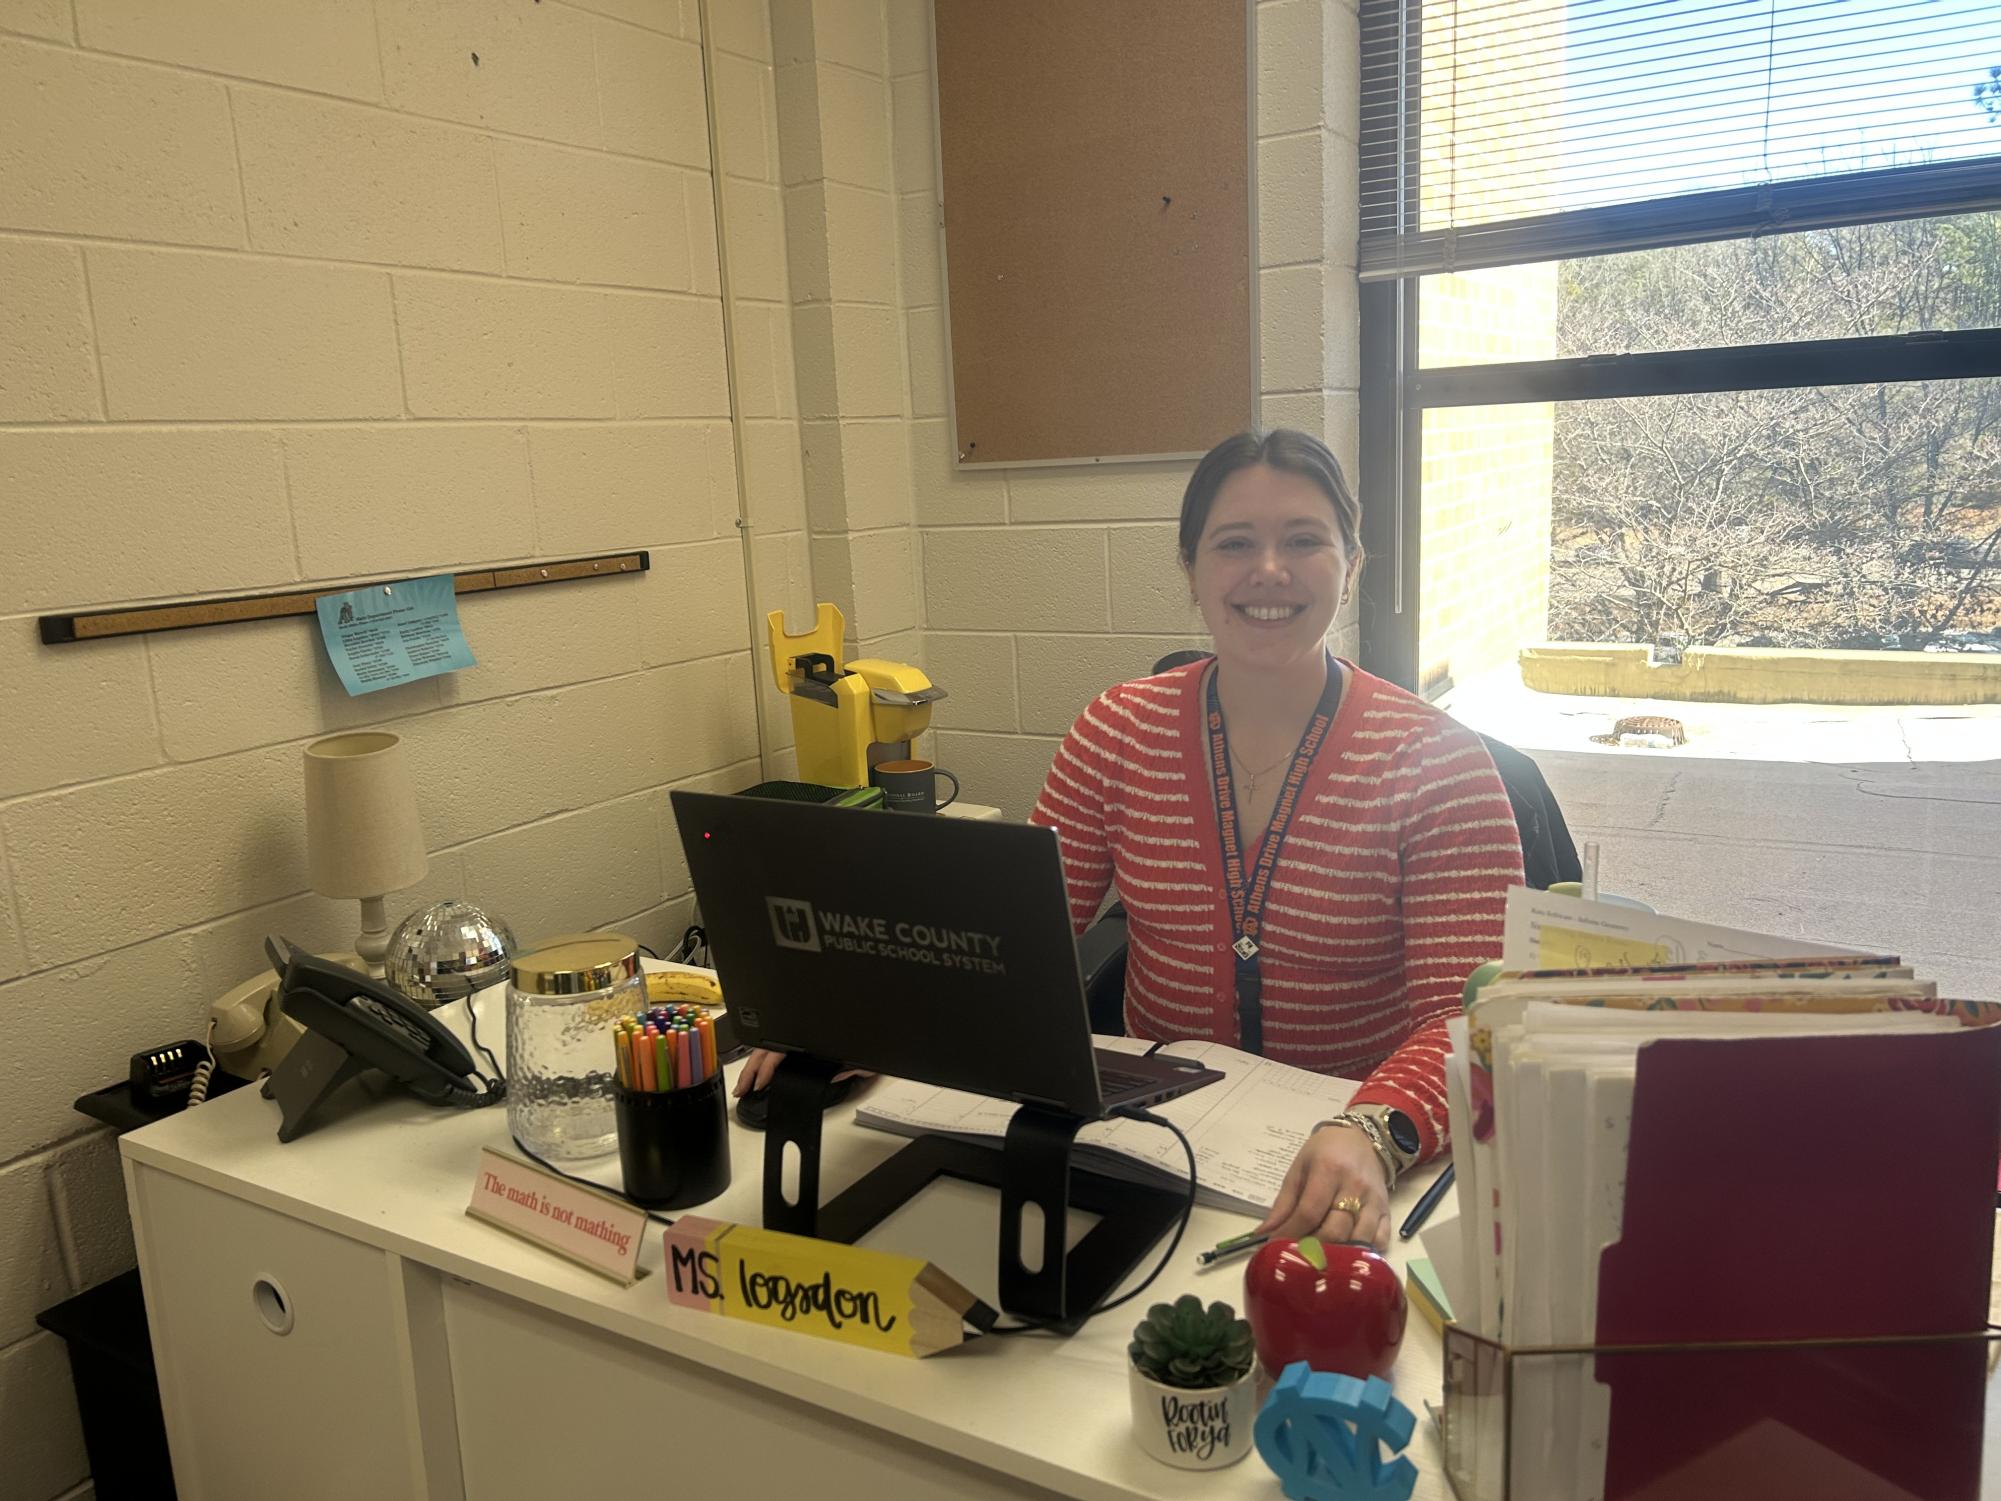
[
  {"x": 1661, "y": 35},
  {"x": 1502, "y": 131},
  {"x": 1831, "y": 58},
  {"x": 1934, "y": 116},
  {"x": 1590, "y": 176},
  {"x": 1707, "y": 75}
]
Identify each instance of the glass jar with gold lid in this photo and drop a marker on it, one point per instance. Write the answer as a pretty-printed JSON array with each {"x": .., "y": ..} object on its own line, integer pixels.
[{"x": 562, "y": 999}]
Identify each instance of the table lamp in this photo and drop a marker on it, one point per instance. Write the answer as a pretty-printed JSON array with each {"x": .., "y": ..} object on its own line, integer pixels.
[{"x": 363, "y": 839}]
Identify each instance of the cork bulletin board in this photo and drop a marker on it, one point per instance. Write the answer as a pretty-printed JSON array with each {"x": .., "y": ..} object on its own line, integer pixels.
[{"x": 1096, "y": 162}]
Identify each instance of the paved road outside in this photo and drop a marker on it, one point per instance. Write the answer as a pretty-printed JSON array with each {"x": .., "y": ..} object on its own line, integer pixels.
[{"x": 1877, "y": 827}]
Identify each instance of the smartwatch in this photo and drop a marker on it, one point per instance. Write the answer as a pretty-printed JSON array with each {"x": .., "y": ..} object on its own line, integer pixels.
[{"x": 1403, "y": 1134}]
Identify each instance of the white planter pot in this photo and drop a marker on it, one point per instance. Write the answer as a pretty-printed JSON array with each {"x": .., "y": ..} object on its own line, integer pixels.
[{"x": 1194, "y": 1430}]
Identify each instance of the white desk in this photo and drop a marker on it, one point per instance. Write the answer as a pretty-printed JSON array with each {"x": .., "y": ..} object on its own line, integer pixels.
[
  {"x": 431, "y": 1355},
  {"x": 978, "y": 812}
]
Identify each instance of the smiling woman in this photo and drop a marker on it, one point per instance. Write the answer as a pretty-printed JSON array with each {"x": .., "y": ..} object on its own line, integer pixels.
[{"x": 1311, "y": 859}]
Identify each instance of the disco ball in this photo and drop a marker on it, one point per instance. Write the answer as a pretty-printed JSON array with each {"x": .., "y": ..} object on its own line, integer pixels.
[{"x": 447, "y": 951}]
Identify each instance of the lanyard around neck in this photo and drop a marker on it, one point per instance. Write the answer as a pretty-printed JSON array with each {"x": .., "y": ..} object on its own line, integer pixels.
[{"x": 1248, "y": 885}]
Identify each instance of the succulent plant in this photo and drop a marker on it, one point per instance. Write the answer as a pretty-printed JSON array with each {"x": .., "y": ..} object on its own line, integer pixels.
[{"x": 1186, "y": 1345}]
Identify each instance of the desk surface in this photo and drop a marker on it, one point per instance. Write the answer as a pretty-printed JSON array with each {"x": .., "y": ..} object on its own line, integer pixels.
[{"x": 396, "y": 1174}]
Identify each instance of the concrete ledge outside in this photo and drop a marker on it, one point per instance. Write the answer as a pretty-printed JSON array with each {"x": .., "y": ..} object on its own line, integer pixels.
[{"x": 1765, "y": 675}]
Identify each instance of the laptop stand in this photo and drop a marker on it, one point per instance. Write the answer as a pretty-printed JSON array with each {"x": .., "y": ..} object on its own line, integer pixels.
[{"x": 1032, "y": 1167}]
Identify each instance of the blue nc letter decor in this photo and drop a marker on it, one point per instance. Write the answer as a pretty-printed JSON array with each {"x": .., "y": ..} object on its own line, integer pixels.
[{"x": 1322, "y": 1435}]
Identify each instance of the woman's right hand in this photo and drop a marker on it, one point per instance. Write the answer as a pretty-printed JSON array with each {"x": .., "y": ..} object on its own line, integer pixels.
[
  {"x": 761, "y": 1063},
  {"x": 757, "y": 1070}
]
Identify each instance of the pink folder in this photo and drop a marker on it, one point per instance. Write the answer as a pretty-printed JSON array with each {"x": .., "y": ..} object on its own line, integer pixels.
[{"x": 1804, "y": 1188}]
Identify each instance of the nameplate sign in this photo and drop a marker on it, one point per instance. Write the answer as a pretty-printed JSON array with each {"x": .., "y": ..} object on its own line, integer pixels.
[
  {"x": 867, "y": 1298},
  {"x": 593, "y": 1229}
]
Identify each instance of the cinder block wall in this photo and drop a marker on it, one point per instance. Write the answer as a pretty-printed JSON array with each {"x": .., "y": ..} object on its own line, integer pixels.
[
  {"x": 761, "y": 279},
  {"x": 1043, "y": 586},
  {"x": 833, "y": 71},
  {"x": 301, "y": 290}
]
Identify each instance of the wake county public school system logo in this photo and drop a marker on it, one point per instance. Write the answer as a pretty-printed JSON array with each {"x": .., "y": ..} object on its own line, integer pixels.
[
  {"x": 801, "y": 925},
  {"x": 792, "y": 924}
]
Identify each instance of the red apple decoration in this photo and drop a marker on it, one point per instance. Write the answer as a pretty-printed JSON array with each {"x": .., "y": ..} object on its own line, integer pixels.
[{"x": 1338, "y": 1307}]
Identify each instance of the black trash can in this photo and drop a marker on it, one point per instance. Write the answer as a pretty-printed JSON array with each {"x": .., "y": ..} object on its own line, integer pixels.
[{"x": 111, "y": 1363}]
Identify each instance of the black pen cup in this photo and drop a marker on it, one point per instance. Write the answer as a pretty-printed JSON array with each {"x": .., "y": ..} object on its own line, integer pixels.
[{"x": 674, "y": 1144}]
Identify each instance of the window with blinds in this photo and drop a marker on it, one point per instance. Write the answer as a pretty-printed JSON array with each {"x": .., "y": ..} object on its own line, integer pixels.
[{"x": 1496, "y": 132}]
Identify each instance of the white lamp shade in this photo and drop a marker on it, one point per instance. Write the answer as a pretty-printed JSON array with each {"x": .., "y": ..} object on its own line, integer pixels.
[{"x": 362, "y": 834}]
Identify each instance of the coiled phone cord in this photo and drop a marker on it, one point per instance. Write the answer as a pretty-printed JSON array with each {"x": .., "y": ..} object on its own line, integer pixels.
[
  {"x": 495, "y": 1089},
  {"x": 205, "y": 1070}
]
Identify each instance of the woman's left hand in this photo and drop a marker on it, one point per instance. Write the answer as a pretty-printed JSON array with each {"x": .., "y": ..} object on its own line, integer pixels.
[
  {"x": 1334, "y": 1172},
  {"x": 762, "y": 1063}
]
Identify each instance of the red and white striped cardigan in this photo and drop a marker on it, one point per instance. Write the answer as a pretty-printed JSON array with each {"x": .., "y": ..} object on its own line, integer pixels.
[{"x": 1387, "y": 893}]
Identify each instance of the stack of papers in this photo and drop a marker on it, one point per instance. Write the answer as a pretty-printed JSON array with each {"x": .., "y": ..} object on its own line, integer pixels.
[
  {"x": 1633, "y": 1102},
  {"x": 1246, "y": 1128}
]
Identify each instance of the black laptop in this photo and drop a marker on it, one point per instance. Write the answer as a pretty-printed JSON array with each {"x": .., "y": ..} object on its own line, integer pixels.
[{"x": 929, "y": 948}]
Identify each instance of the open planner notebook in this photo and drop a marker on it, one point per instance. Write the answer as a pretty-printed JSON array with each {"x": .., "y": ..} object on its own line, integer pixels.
[
  {"x": 1245, "y": 1129},
  {"x": 1667, "y": 1133}
]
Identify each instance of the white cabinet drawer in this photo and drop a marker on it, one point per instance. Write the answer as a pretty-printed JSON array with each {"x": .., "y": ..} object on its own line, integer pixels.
[
  {"x": 284, "y": 1365},
  {"x": 548, "y": 1407}
]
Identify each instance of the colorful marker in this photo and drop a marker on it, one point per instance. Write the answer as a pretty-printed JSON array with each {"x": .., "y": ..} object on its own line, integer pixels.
[{"x": 665, "y": 1048}]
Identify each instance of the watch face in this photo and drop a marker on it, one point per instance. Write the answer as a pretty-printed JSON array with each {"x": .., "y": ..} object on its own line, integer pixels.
[{"x": 1403, "y": 1131}]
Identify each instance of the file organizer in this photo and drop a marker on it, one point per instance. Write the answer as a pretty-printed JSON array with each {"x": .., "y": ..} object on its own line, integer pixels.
[
  {"x": 1899, "y": 1419},
  {"x": 1797, "y": 1300}
]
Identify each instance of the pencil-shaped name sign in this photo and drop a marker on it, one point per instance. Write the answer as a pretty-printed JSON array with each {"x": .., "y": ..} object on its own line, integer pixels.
[{"x": 820, "y": 1287}]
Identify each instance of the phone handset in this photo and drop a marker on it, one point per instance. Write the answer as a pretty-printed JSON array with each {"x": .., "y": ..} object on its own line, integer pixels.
[{"x": 248, "y": 1034}]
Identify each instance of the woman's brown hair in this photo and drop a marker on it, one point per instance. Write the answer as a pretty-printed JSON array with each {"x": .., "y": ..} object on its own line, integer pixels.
[{"x": 1283, "y": 448}]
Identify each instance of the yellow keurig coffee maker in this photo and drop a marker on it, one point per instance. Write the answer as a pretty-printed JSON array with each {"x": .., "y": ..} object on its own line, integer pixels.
[{"x": 846, "y": 716}]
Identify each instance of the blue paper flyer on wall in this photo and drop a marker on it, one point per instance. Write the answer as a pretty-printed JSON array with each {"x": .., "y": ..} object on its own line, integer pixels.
[{"x": 387, "y": 634}]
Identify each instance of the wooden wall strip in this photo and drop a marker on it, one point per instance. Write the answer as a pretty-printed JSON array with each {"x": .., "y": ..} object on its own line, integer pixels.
[{"x": 97, "y": 625}]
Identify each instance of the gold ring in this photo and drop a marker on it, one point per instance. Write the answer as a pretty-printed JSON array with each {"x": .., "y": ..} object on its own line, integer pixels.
[{"x": 1349, "y": 1205}]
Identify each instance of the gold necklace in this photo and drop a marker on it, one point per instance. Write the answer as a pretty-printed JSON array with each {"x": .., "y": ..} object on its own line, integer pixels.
[{"x": 1251, "y": 777}]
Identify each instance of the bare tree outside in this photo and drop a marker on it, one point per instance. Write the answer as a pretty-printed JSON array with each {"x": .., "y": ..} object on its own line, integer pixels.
[
  {"x": 1987, "y": 95},
  {"x": 1824, "y": 516}
]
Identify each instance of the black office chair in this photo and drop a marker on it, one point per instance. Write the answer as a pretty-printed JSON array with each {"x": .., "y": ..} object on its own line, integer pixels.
[{"x": 1548, "y": 855}]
